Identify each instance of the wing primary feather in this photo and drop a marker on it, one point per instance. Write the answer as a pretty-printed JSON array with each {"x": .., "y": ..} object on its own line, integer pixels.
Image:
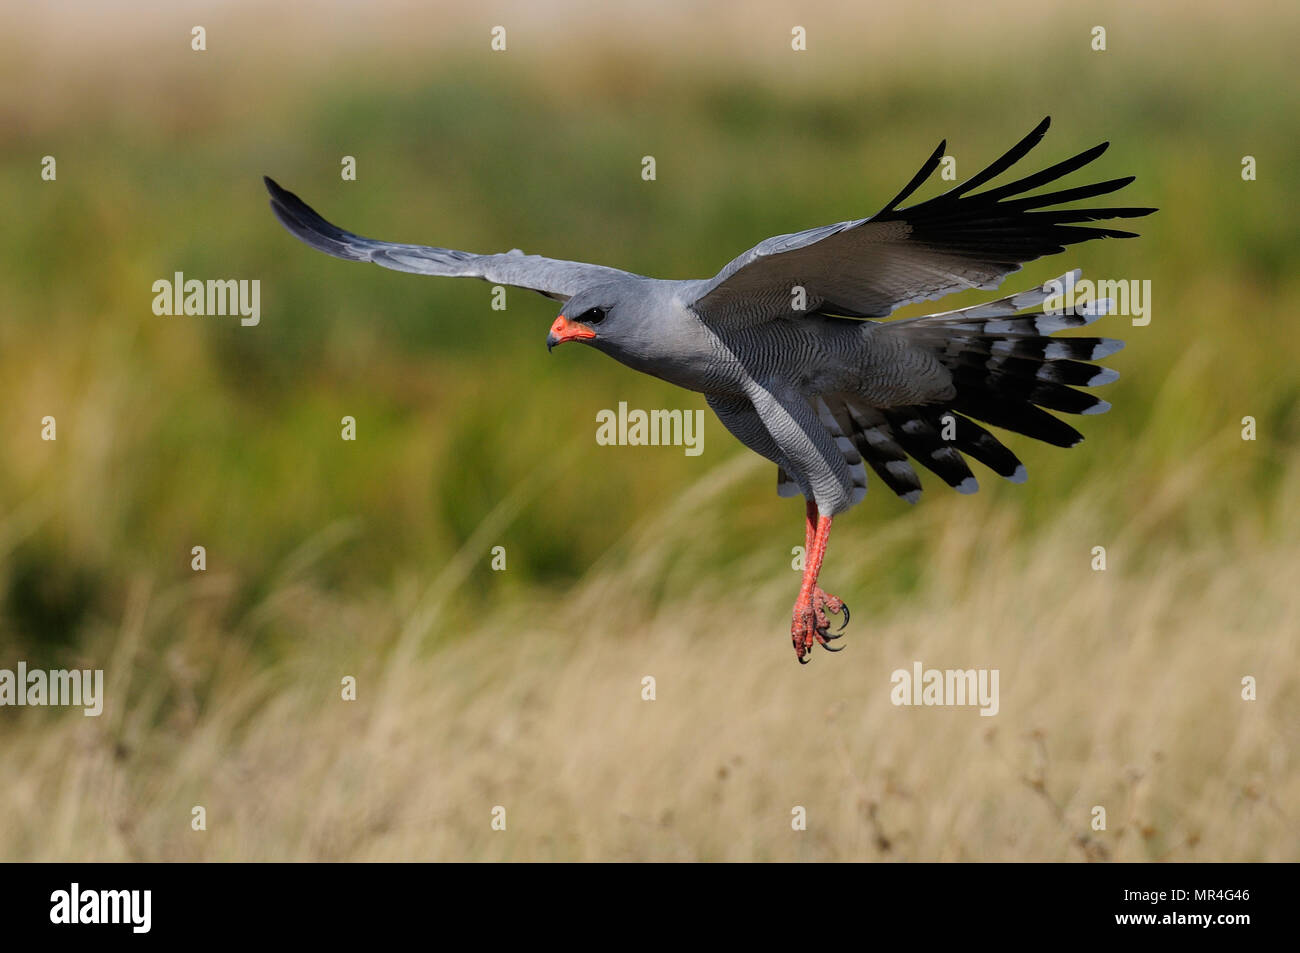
[
  {"x": 1068, "y": 195},
  {"x": 1010, "y": 158},
  {"x": 917, "y": 180},
  {"x": 1050, "y": 174},
  {"x": 307, "y": 225},
  {"x": 1088, "y": 214}
]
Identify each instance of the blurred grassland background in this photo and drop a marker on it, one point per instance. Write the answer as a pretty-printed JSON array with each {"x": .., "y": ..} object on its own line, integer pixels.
[{"x": 523, "y": 688}]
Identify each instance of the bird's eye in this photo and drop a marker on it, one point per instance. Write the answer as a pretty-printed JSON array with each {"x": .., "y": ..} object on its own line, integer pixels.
[{"x": 592, "y": 316}]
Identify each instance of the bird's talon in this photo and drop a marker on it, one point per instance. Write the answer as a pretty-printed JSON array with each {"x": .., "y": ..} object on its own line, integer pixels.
[{"x": 812, "y": 624}]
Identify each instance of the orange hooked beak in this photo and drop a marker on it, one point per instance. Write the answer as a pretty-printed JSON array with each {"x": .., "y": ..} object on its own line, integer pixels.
[{"x": 565, "y": 330}]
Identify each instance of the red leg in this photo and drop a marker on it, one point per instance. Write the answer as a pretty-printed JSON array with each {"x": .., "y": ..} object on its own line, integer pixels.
[
  {"x": 810, "y": 624},
  {"x": 823, "y": 601}
]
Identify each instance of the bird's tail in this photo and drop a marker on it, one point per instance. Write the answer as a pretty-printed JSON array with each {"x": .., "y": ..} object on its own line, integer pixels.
[{"x": 1008, "y": 371}]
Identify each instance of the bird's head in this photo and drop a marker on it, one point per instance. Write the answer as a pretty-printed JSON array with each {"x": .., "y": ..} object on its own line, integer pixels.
[
  {"x": 591, "y": 316},
  {"x": 637, "y": 322}
]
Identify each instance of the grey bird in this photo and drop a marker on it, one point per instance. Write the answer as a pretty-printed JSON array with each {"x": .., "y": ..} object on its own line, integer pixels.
[{"x": 782, "y": 344}]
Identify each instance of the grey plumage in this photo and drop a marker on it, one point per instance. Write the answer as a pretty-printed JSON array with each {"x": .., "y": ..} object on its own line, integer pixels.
[
  {"x": 555, "y": 279},
  {"x": 824, "y": 392}
]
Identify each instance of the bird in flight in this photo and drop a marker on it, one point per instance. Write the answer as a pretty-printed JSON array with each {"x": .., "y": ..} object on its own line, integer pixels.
[{"x": 783, "y": 346}]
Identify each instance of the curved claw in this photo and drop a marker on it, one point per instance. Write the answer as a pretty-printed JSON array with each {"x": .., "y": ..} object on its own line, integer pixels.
[
  {"x": 833, "y": 648},
  {"x": 844, "y": 608},
  {"x": 837, "y": 635},
  {"x": 805, "y": 659}
]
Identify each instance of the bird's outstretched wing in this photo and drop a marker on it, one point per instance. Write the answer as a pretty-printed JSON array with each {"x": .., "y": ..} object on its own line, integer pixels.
[
  {"x": 868, "y": 267},
  {"x": 552, "y": 277}
]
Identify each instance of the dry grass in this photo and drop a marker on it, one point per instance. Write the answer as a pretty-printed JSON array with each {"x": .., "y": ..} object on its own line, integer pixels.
[{"x": 1119, "y": 689}]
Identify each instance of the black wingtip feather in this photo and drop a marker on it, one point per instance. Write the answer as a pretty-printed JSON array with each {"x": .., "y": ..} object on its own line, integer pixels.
[
  {"x": 926, "y": 170},
  {"x": 1050, "y": 174},
  {"x": 307, "y": 225},
  {"x": 1008, "y": 159}
]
